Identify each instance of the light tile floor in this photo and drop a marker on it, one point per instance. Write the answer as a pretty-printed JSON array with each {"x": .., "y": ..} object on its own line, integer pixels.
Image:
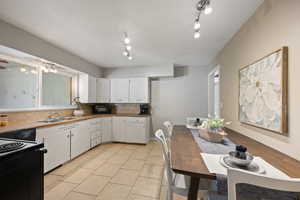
[{"x": 111, "y": 172}]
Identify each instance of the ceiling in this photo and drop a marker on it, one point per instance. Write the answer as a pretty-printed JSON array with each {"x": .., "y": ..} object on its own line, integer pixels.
[{"x": 161, "y": 31}]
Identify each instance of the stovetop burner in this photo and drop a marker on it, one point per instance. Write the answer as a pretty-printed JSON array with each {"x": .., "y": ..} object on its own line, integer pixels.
[{"x": 7, "y": 147}]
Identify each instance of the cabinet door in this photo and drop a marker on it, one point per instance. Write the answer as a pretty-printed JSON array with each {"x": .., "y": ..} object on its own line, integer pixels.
[
  {"x": 106, "y": 129},
  {"x": 57, "y": 142},
  {"x": 87, "y": 88},
  {"x": 83, "y": 86},
  {"x": 120, "y": 90},
  {"x": 80, "y": 138},
  {"x": 139, "y": 90},
  {"x": 94, "y": 129},
  {"x": 103, "y": 90},
  {"x": 119, "y": 129},
  {"x": 92, "y": 90},
  {"x": 136, "y": 130}
]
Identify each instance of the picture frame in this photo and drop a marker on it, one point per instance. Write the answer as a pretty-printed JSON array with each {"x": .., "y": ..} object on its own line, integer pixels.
[{"x": 263, "y": 92}]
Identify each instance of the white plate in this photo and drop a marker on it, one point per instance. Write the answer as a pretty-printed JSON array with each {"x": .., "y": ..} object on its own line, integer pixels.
[{"x": 254, "y": 167}]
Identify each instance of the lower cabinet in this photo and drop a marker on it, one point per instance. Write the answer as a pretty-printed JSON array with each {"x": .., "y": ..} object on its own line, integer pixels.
[
  {"x": 119, "y": 127},
  {"x": 80, "y": 138},
  {"x": 106, "y": 129},
  {"x": 95, "y": 129},
  {"x": 65, "y": 142},
  {"x": 57, "y": 141},
  {"x": 131, "y": 129}
]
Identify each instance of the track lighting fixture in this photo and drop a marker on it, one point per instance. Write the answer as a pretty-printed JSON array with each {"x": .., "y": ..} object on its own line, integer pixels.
[
  {"x": 202, "y": 6},
  {"x": 127, "y": 46}
]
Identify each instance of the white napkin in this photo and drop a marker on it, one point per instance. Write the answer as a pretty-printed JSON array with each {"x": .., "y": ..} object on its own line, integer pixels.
[{"x": 212, "y": 162}]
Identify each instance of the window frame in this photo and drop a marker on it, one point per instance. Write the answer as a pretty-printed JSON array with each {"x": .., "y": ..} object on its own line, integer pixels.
[{"x": 39, "y": 86}]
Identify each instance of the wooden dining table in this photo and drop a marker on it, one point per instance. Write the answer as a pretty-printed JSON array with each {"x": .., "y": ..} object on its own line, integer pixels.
[{"x": 186, "y": 158}]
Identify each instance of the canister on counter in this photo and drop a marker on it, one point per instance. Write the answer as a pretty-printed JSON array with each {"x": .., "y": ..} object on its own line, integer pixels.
[{"x": 3, "y": 120}]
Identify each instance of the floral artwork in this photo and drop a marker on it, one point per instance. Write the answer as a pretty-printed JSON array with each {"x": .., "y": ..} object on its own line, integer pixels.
[{"x": 261, "y": 93}]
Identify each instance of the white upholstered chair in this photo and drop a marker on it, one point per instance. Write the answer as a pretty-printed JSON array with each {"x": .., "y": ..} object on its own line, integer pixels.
[
  {"x": 177, "y": 183},
  {"x": 236, "y": 176}
]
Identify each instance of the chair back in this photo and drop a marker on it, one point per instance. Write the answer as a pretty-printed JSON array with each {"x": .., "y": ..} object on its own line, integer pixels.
[
  {"x": 236, "y": 176},
  {"x": 159, "y": 134},
  {"x": 169, "y": 127}
]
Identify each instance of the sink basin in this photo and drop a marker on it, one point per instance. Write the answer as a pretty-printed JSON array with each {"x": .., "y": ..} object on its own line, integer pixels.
[
  {"x": 56, "y": 120},
  {"x": 68, "y": 118},
  {"x": 50, "y": 120}
]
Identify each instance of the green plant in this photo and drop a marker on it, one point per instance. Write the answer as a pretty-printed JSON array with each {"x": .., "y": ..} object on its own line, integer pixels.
[
  {"x": 77, "y": 102},
  {"x": 215, "y": 123}
]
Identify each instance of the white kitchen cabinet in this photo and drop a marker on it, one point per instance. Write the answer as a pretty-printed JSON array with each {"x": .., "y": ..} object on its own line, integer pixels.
[
  {"x": 139, "y": 90},
  {"x": 57, "y": 142},
  {"x": 137, "y": 130},
  {"x": 119, "y": 128},
  {"x": 106, "y": 128},
  {"x": 95, "y": 129},
  {"x": 80, "y": 138},
  {"x": 103, "y": 90},
  {"x": 131, "y": 129},
  {"x": 119, "y": 90},
  {"x": 87, "y": 88}
]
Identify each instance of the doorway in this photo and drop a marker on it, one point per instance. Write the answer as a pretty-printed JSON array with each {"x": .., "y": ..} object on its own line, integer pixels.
[{"x": 214, "y": 93}]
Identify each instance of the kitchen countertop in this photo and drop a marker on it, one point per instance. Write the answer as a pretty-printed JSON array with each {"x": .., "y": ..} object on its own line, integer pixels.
[{"x": 36, "y": 124}]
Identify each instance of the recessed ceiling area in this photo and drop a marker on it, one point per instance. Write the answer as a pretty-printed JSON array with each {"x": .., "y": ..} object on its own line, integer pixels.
[{"x": 160, "y": 31}]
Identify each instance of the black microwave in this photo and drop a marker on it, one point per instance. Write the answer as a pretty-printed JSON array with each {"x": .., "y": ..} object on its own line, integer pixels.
[{"x": 102, "y": 109}]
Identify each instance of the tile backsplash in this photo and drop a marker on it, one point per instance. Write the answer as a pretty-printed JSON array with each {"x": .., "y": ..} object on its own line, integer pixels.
[
  {"x": 127, "y": 108},
  {"x": 30, "y": 116}
]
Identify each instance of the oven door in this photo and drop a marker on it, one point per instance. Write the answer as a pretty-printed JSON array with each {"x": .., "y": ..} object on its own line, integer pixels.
[{"x": 21, "y": 176}]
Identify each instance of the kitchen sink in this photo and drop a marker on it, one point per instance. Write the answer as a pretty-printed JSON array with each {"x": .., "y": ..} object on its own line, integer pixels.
[{"x": 57, "y": 120}]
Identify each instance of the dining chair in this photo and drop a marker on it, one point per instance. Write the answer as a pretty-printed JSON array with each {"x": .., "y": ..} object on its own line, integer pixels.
[
  {"x": 169, "y": 127},
  {"x": 279, "y": 187},
  {"x": 177, "y": 183}
]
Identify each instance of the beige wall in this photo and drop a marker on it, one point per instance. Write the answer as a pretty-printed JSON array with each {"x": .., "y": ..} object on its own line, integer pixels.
[
  {"x": 13, "y": 37},
  {"x": 275, "y": 24}
]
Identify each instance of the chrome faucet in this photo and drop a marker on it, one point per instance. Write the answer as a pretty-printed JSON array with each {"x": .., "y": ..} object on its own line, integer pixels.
[{"x": 54, "y": 115}]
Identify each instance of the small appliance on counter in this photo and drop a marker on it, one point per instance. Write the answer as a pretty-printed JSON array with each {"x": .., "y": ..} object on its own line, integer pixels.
[
  {"x": 103, "y": 108},
  {"x": 144, "y": 109}
]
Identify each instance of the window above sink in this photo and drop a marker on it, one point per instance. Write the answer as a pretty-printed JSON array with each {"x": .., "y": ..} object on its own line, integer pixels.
[{"x": 28, "y": 83}]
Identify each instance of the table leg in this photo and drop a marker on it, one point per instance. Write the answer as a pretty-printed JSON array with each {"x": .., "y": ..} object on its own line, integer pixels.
[{"x": 194, "y": 187}]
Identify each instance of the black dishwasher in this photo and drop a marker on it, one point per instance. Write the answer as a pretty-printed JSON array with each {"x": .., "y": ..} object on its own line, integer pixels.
[{"x": 21, "y": 166}]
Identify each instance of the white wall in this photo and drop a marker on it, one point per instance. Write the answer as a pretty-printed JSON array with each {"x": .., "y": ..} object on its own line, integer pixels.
[
  {"x": 174, "y": 98},
  {"x": 18, "y": 39},
  {"x": 274, "y": 25},
  {"x": 180, "y": 97},
  {"x": 154, "y": 71}
]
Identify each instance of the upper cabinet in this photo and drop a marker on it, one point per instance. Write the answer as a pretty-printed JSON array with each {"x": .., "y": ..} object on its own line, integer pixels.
[
  {"x": 100, "y": 90},
  {"x": 134, "y": 90},
  {"x": 119, "y": 90},
  {"x": 139, "y": 90},
  {"x": 87, "y": 88},
  {"x": 103, "y": 90}
]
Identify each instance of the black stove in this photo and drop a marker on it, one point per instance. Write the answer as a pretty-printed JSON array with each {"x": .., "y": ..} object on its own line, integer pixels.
[
  {"x": 10, "y": 147},
  {"x": 21, "y": 169},
  {"x": 7, "y": 146}
]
